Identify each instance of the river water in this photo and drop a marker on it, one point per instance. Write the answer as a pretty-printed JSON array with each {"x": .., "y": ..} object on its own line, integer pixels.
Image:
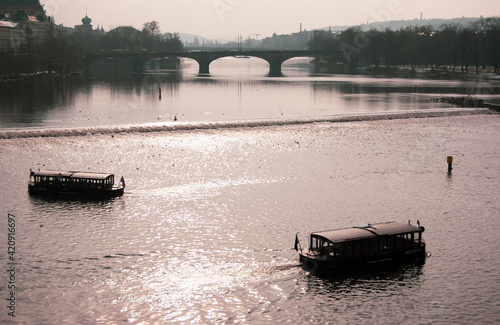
[
  {"x": 236, "y": 89},
  {"x": 205, "y": 230}
]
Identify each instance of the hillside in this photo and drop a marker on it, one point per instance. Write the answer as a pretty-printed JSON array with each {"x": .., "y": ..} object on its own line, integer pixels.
[{"x": 398, "y": 24}]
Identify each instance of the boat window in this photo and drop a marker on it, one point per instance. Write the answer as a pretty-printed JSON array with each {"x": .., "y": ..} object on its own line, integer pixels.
[
  {"x": 383, "y": 243},
  {"x": 337, "y": 250},
  {"x": 348, "y": 249},
  {"x": 391, "y": 242},
  {"x": 357, "y": 247},
  {"x": 400, "y": 241},
  {"x": 365, "y": 248},
  {"x": 318, "y": 244},
  {"x": 314, "y": 242}
]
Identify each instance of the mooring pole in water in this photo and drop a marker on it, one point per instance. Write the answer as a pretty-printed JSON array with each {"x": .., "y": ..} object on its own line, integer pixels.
[
  {"x": 450, "y": 162},
  {"x": 159, "y": 93}
]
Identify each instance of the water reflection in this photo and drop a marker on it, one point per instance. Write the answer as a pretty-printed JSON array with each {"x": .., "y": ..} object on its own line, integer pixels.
[
  {"x": 30, "y": 101},
  {"x": 70, "y": 201},
  {"x": 388, "y": 280}
]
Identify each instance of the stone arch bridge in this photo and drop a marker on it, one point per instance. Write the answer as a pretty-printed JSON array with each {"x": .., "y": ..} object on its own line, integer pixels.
[{"x": 204, "y": 58}]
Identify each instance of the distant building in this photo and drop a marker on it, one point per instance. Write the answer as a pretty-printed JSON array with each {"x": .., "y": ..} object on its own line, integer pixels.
[
  {"x": 126, "y": 38},
  {"x": 125, "y": 31},
  {"x": 22, "y": 22},
  {"x": 87, "y": 36},
  {"x": 295, "y": 41},
  {"x": 85, "y": 27},
  {"x": 18, "y": 10},
  {"x": 6, "y": 27},
  {"x": 13, "y": 35}
]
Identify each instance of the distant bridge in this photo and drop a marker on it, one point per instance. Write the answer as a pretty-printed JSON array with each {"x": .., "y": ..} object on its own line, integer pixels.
[{"x": 204, "y": 58}]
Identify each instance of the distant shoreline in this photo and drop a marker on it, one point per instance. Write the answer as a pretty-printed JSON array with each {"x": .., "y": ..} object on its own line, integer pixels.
[
  {"x": 413, "y": 73},
  {"x": 6, "y": 79},
  {"x": 441, "y": 72}
]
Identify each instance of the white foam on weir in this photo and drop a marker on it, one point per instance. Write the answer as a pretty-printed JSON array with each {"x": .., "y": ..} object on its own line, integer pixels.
[{"x": 187, "y": 126}]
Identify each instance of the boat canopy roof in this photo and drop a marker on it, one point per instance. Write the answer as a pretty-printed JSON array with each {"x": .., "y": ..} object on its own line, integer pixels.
[
  {"x": 369, "y": 231},
  {"x": 71, "y": 174}
]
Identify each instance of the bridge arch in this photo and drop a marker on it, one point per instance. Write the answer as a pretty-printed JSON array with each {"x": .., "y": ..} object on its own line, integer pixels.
[
  {"x": 205, "y": 58},
  {"x": 299, "y": 62},
  {"x": 245, "y": 64},
  {"x": 274, "y": 58}
]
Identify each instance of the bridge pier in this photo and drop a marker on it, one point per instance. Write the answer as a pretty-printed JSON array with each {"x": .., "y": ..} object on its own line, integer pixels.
[
  {"x": 204, "y": 65},
  {"x": 275, "y": 67},
  {"x": 138, "y": 64}
]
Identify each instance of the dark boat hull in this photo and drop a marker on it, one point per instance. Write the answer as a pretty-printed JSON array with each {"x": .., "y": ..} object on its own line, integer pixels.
[
  {"x": 83, "y": 193},
  {"x": 321, "y": 264}
]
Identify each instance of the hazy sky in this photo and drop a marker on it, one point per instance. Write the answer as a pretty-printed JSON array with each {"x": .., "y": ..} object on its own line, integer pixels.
[{"x": 228, "y": 18}]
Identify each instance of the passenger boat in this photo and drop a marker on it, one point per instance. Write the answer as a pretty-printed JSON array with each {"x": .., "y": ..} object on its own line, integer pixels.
[
  {"x": 360, "y": 247},
  {"x": 83, "y": 184}
]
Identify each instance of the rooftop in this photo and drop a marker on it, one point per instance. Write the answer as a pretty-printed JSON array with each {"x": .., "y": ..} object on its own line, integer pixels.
[
  {"x": 72, "y": 174},
  {"x": 369, "y": 231},
  {"x": 8, "y": 24}
]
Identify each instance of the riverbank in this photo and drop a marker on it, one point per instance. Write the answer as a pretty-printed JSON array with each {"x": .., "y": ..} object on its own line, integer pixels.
[
  {"x": 425, "y": 72},
  {"x": 451, "y": 73},
  {"x": 13, "y": 79}
]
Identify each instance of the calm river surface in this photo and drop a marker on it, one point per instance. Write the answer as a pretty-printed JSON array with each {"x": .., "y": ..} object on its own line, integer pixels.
[
  {"x": 205, "y": 230},
  {"x": 236, "y": 89}
]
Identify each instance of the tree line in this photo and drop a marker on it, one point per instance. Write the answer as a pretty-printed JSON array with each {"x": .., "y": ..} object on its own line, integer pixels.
[
  {"x": 63, "y": 51},
  {"x": 452, "y": 46}
]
